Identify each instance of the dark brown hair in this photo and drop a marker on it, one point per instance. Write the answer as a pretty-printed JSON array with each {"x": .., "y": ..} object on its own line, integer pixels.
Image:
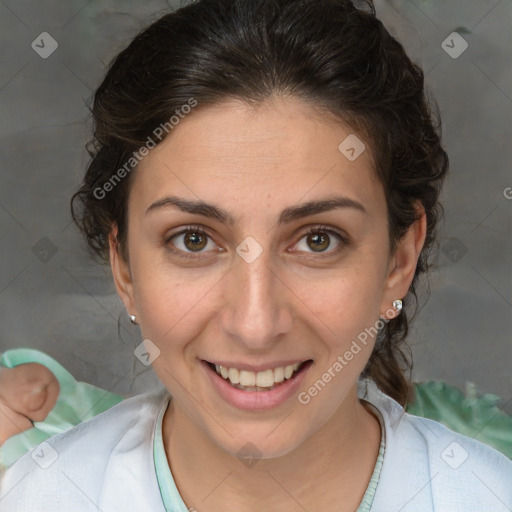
[{"x": 327, "y": 52}]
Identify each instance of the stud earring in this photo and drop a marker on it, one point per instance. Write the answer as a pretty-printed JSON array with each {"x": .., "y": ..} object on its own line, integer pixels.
[
  {"x": 397, "y": 304},
  {"x": 132, "y": 319}
]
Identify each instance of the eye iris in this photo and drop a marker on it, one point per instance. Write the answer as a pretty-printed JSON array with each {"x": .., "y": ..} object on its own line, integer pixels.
[
  {"x": 315, "y": 237},
  {"x": 194, "y": 237}
]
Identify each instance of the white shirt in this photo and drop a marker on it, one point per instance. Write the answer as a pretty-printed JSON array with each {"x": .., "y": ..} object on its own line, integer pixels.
[{"x": 106, "y": 464}]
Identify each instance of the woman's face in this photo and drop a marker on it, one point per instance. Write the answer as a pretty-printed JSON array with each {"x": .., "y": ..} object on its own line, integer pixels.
[{"x": 259, "y": 292}]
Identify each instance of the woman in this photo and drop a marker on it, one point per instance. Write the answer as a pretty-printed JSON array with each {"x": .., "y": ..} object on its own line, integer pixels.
[{"x": 264, "y": 180}]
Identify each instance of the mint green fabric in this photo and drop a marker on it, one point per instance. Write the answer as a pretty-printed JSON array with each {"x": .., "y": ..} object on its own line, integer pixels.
[
  {"x": 171, "y": 496},
  {"x": 476, "y": 417},
  {"x": 77, "y": 402},
  {"x": 366, "y": 503}
]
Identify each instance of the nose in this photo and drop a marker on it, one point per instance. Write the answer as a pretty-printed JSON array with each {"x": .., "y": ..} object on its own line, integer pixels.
[{"x": 257, "y": 307}]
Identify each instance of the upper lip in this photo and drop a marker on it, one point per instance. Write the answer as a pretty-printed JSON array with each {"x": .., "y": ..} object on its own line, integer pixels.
[{"x": 257, "y": 367}]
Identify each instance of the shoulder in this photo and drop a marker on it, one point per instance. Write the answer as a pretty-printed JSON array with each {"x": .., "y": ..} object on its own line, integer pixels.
[
  {"x": 460, "y": 464},
  {"x": 428, "y": 466},
  {"x": 81, "y": 466}
]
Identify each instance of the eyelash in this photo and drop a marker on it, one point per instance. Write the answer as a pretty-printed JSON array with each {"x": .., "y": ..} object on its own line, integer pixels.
[{"x": 311, "y": 231}]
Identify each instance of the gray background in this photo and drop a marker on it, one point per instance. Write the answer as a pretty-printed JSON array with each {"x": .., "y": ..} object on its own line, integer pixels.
[{"x": 55, "y": 298}]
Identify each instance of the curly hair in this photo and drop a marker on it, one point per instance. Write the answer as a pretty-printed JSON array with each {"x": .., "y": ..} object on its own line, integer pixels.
[{"x": 331, "y": 54}]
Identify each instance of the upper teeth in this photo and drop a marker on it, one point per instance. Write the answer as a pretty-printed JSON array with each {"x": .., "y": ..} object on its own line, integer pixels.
[{"x": 265, "y": 379}]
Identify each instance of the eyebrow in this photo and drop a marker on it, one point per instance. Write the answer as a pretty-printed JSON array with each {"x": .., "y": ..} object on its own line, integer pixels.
[{"x": 287, "y": 215}]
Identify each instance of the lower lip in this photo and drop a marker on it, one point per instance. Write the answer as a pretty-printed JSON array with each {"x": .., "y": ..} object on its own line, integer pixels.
[{"x": 256, "y": 400}]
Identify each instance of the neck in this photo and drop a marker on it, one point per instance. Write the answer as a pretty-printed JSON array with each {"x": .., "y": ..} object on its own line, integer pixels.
[{"x": 331, "y": 467}]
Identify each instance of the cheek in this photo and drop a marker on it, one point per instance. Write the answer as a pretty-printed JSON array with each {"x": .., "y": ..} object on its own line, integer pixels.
[
  {"x": 348, "y": 300},
  {"x": 347, "y": 312},
  {"x": 164, "y": 307},
  {"x": 165, "y": 319},
  {"x": 170, "y": 302}
]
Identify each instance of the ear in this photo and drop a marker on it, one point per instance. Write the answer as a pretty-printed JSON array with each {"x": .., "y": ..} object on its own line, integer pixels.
[
  {"x": 121, "y": 273},
  {"x": 402, "y": 264}
]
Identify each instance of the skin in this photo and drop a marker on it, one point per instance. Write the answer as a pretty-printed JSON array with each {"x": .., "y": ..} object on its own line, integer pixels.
[
  {"x": 28, "y": 392},
  {"x": 292, "y": 302}
]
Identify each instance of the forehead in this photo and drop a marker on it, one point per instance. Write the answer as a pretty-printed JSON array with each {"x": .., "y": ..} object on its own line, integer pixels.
[{"x": 284, "y": 148}]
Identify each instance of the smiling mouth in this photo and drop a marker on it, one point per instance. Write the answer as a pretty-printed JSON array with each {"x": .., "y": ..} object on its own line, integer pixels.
[{"x": 259, "y": 381}]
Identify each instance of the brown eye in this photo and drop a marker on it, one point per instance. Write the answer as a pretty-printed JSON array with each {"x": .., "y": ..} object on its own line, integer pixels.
[
  {"x": 319, "y": 239},
  {"x": 196, "y": 240},
  {"x": 188, "y": 241}
]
